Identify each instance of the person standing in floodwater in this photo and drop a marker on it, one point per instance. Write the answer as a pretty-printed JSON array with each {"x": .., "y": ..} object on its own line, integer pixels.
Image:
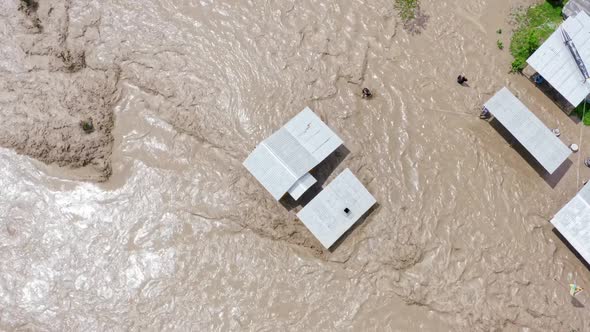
[{"x": 461, "y": 79}]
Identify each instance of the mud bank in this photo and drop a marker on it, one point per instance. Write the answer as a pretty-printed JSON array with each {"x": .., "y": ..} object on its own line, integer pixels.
[{"x": 48, "y": 88}]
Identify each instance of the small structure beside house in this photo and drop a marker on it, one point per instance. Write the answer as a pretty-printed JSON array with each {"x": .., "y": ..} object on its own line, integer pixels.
[
  {"x": 534, "y": 136},
  {"x": 281, "y": 163},
  {"x": 573, "y": 7},
  {"x": 555, "y": 63},
  {"x": 573, "y": 222},
  {"x": 336, "y": 208}
]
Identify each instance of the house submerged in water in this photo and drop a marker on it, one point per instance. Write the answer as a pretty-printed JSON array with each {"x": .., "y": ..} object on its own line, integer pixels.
[{"x": 282, "y": 162}]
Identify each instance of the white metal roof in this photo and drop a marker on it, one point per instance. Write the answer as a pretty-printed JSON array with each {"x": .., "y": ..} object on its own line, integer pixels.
[
  {"x": 547, "y": 149},
  {"x": 301, "y": 186},
  {"x": 554, "y": 62},
  {"x": 281, "y": 161},
  {"x": 325, "y": 215},
  {"x": 573, "y": 222},
  {"x": 572, "y": 7}
]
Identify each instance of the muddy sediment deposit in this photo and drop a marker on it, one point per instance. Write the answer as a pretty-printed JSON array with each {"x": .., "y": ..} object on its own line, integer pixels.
[
  {"x": 48, "y": 88},
  {"x": 174, "y": 234}
]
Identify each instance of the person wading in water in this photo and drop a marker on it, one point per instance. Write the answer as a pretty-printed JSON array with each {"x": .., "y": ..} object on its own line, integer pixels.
[{"x": 461, "y": 79}]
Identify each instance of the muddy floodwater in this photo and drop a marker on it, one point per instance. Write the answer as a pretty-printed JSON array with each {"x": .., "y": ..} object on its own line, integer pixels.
[{"x": 150, "y": 221}]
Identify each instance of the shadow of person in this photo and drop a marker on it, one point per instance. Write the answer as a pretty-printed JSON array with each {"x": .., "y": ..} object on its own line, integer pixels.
[{"x": 576, "y": 303}]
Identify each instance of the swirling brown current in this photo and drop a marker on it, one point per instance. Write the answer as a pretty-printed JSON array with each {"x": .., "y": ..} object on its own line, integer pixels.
[{"x": 181, "y": 237}]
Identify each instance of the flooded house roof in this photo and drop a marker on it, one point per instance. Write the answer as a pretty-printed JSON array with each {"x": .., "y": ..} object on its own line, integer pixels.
[
  {"x": 573, "y": 222},
  {"x": 282, "y": 161},
  {"x": 336, "y": 208},
  {"x": 573, "y": 7},
  {"x": 547, "y": 149},
  {"x": 555, "y": 63}
]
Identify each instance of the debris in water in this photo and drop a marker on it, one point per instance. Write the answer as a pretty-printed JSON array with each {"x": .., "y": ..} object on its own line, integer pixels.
[
  {"x": 87, "y": 126},
  {"x": 575, "y": 289}
]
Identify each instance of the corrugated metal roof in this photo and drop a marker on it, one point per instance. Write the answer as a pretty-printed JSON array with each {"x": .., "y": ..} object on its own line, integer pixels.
[
  {"x": 280, "y": 161},
  {"x": 573, "y": 222},
  {"x": 555, "y": 63},
  {"x": 547, "y": 149},
  {"x": 313, "y": 134},
  {"x": 301, "y": 186},
  {"x": 573, "y": 7},
  {"x": 274, "y": 176},
  {"x": 325, "y": 215},
  {"x": 290, "y": 152}
]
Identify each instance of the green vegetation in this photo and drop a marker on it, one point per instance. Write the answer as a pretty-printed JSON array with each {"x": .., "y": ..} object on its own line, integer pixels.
[
  {"x": 583, "y": 112},
  {"x": 407, "y": 9},
  {"x": 533, "y": 27},
  {"x": 500, "y": 44},
  {"x": 87, "y": 126}
]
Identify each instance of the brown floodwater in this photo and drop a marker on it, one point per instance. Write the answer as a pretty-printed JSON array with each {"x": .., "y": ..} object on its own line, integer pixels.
[{"x": 181, "y": 237}]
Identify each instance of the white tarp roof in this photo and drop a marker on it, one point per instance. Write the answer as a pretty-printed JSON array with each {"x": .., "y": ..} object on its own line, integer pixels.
[
  {"x": 281, "y": 161},
  {"x": 555, "y": 63},
  {"x": 547, "y": 149},
  {"x": 325, "y": 215},
  {"x": 573, "y": 222}
]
